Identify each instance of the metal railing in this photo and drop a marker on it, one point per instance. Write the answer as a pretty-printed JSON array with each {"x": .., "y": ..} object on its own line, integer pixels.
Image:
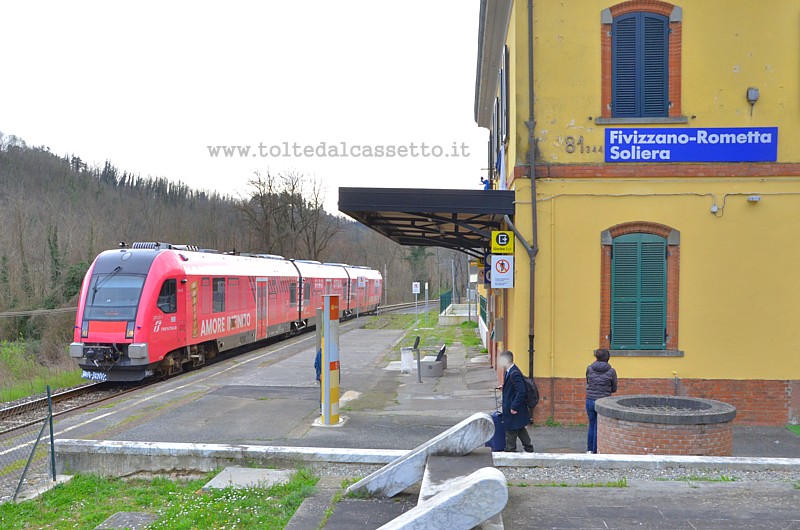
[
  {"x": 445, "y": 299},
  {"x": 27, "y": 457}
]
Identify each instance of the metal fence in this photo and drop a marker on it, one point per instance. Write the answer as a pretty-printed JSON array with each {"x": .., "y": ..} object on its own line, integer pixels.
[
  {"x": 445, "y": 299},
  {"x": 26, "y": 455}
]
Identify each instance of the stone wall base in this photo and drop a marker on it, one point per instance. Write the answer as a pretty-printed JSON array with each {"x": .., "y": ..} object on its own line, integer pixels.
[
  {"x": 638, "y": 438},
  {"x": 757, "y": 401}
]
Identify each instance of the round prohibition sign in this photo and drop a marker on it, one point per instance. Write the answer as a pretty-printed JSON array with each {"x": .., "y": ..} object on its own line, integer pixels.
[{"x": 502, "y": 266}]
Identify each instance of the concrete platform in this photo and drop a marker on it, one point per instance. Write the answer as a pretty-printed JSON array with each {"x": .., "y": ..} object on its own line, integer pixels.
[
  {"x": 245, "y": 477},
  {"x": 655, "y": 505},
  {"x": 266, "y": 399},
  {"x": 362, "y": 514}
]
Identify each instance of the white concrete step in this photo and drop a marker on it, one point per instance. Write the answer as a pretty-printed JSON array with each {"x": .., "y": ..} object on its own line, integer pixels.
[
  {"x": 407, "y": 470},
  {"x": 445, "y": 472},
  {"x": 464, "y": 504}
]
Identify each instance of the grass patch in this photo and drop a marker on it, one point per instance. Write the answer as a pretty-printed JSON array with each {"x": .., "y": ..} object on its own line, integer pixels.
[
  {"x": 433, "y": 336},
  {"x": 21, "y": 376},
  {"x": 703, "y": 478},
  {"x": 86, "y": 501},
  {"x": 794, "y": 429},
  {"x": 621, "y": 483},
  {"x": 337, "y": 497},
  {"x": 551, "y": 422}
]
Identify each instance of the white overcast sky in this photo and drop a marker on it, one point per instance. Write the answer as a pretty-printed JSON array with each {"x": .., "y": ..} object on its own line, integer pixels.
[{"x": 149, "y": 85}]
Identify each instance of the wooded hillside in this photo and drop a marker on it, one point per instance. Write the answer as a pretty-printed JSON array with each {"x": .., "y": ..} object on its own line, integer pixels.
[{"x": 58, "y": 213}]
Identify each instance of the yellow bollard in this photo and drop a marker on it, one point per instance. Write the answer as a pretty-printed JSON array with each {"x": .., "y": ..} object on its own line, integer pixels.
[{"x": 330, "y": 360}]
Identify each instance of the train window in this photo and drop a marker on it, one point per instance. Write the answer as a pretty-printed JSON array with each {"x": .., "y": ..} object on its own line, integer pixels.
[
  {"x": 234, "y": 296},
  {"x": 292, "y": 293},
  {"x": 307, "y": 292},
  {"x": 218, "y": 286},
  {"x": 205, "y": 295},
  {"x": 168, "y": 297}
]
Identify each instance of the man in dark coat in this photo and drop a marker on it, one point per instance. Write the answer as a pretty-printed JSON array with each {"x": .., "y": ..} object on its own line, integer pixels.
[{"x": 516, "y": 415}]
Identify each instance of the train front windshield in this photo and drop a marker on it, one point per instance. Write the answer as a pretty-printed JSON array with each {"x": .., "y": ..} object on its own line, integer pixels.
[{"x": 113, "y": 296}]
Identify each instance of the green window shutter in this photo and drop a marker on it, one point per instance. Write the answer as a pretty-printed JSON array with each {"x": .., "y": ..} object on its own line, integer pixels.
[
  {"x": 638, "y": 292},
  {"x": 640, "y": 65},
  {"x": 625, "y": 66}
]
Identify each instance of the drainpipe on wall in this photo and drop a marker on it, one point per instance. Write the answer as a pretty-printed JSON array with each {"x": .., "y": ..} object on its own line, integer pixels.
[{"x": 531, "y": 158}]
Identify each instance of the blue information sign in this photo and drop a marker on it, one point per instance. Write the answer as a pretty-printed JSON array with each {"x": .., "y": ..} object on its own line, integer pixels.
[{"x": 738, "y": 144}]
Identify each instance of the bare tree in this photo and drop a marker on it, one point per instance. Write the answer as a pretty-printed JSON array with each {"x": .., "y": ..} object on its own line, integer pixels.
[
  {"x": 319, "y": 227},
  {"x": 261, "y": 207}
]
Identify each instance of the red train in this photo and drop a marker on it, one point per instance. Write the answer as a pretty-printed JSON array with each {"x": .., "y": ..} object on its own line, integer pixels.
[{"x": 155, "y": 308}]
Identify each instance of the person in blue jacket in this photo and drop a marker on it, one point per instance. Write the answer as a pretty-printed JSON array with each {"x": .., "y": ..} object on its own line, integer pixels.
[{"x": 516, "y": 415}]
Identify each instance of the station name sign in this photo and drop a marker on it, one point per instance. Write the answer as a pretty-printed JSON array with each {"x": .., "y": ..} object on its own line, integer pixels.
[{"x": 737, "y": 144}]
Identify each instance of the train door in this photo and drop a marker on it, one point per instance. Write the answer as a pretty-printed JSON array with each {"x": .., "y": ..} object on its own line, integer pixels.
[
  {"x": 169, "y": 325},
  {"x": 261, "y": 308},
  {"x": 328, "y": 286}
]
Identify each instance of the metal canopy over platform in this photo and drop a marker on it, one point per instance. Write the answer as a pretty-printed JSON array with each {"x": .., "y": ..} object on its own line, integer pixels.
[{"x": 457, "y": 219}]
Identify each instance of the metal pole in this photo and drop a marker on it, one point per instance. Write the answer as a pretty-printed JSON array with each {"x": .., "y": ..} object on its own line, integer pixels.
[
  {"x": 419, "y": 366},
  {"x": 453, "y": 288},
  {"x": 426, "y": 304},
  {"x": 52, "y": 443},
  {"x": 469, "y": 298}
]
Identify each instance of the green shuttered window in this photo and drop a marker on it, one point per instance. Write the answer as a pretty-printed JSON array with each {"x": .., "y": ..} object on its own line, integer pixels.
[
  {"x": 640, "y": 64},
  {"x": 638, "y": 292}
]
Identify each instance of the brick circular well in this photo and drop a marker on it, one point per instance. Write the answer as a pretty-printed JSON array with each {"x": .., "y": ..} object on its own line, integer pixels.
[{"x": 664, "y": 425}]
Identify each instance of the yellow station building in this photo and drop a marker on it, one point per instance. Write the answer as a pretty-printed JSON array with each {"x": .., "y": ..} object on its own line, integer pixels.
[
  {"x": 666, "y": 144},
  {"x": 665, "y": 216}
]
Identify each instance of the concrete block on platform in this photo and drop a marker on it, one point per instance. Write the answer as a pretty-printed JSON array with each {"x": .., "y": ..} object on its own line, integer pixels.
[
  {"x": 247, "y": 477},
  {"x": 432, "y": 368},
  {"x": 127, "y": 520},
  {"x": 432, "y": 359}
]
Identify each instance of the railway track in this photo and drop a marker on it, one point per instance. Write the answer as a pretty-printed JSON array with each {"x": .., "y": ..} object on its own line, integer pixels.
[
  {"x": 22, "y": 415},
  {"x": 33, "y": 411}
]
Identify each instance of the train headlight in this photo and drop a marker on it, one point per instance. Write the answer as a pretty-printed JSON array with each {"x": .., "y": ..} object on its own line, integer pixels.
[
  {"x": 76, "y": 349},
  {"x": 129, "y": 331},
  {"x": 137, "y": 350},
  {"x": 85, "y": 329}
]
